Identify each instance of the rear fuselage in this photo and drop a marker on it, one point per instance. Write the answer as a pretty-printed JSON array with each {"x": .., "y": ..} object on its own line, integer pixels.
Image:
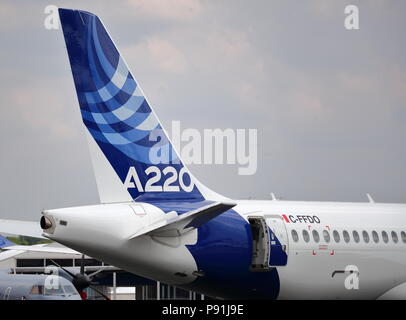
[{"x": 258, "y": 249}]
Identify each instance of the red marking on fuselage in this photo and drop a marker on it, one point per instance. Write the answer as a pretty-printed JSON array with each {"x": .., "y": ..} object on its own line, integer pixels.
[{"x": 285, "y": 218}]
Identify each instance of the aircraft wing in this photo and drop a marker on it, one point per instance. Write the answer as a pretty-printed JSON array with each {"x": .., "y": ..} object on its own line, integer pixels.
[
  {"x": 8, "y": 254},
  {"x": 173, "y": 225},
  {"x": 42, "y": 248},
  {"x": 8, "y": 251},
  {"x": 21, "y": 228}
]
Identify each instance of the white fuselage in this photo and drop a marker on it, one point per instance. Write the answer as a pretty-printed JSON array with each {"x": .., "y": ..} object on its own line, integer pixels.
[
  {"x": 323, "y": 267},
  {"x": 311, "y": 265}
]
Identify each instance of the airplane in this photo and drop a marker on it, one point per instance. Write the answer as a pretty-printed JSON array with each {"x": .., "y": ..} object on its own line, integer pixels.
[
  {"x": 155, "y": 219},
  {"x": 17, "y": 281},
  {"x": 34, "y": 287},
  {"x": 79, "y": 277},
  {"x": 15, "y": 286},
  {"x": 9, "y": 249}
]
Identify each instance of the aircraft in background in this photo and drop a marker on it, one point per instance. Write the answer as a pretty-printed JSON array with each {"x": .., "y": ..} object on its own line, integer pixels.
[
  {"x": 158, "y": 221},
  {"x": 15, "y": 286},
  {"x": 28, "y": 282},
  {"x": 81, "y": 278},
  {"x": 34, "y": 287},
  {"x": 9, "y": 250}
]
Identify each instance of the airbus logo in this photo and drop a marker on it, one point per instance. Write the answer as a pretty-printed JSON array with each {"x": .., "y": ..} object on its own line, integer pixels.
[{"x": 301, "y": 219}]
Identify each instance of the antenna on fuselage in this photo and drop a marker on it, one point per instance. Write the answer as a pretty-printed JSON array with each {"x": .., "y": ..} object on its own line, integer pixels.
[{"x": 370, "y": 199}]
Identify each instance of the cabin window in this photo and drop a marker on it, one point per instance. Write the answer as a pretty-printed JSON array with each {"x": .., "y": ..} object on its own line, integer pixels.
[
  {"x": 70, "y": 290},
  {"x": 375, "y": 236},
  {"x": 394, "y": 237},
  {"x": 385, "y": 237},
  {"x": 336, "y": 236},
  {"x": 295, "y": 236},
  {"x": 346, "y": 236},
  {"x": 355, "y": 235},
  {"x": 306, "y": 236},
  {"x": 326, "y": 236},
  {"x": 403, "y": 235},
  {"x": 54, "y": 291},
  {"x": 316, "y": 236},
  {"x": 37, "y": 289},
  {"x": 365, "y": 235}
]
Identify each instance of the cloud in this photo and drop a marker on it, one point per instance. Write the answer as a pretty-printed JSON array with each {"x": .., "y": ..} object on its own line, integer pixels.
[
  {"x": 38, "y": 109},
  {"x": 318, "y": 94},
  {"x": 167, "y": 56},
  {"x": 228, "y": 43},
  {"x": 180, "y": 10},
  {"x": 326, "y": 8},
  {"x": 399, "y": 86},
  {"x": 158, "y": 53},
  {"x": 12, "y": 15},
  {"x": 353, "y": 81}
]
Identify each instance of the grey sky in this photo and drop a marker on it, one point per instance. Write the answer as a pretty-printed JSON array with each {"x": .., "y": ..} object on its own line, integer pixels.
[{"x": 328, "y": 103}]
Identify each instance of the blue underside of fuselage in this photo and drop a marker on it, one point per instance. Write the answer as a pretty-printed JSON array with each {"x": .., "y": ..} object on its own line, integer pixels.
[{"x": 223, "y": 253}]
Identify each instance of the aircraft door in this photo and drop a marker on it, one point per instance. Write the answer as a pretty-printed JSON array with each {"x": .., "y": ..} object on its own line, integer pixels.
[
  {"x": 278, "y": 241},
  {"x": 260, "y": 244}
]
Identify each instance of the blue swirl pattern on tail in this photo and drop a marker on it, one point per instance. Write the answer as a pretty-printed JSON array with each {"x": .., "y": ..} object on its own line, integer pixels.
[{"x": 114, "y": 108}]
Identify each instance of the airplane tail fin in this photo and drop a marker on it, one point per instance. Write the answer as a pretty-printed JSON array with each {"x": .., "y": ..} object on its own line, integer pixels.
[{"x": 132, "y": 155}]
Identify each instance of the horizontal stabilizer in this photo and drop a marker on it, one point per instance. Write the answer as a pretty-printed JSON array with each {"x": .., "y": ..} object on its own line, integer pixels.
[
  {"x": 8, "y": 254},
  {"x": 21, "y": 228},
  {"x": 173, "y": 225},
  {"x": 43, "y": 248}
]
